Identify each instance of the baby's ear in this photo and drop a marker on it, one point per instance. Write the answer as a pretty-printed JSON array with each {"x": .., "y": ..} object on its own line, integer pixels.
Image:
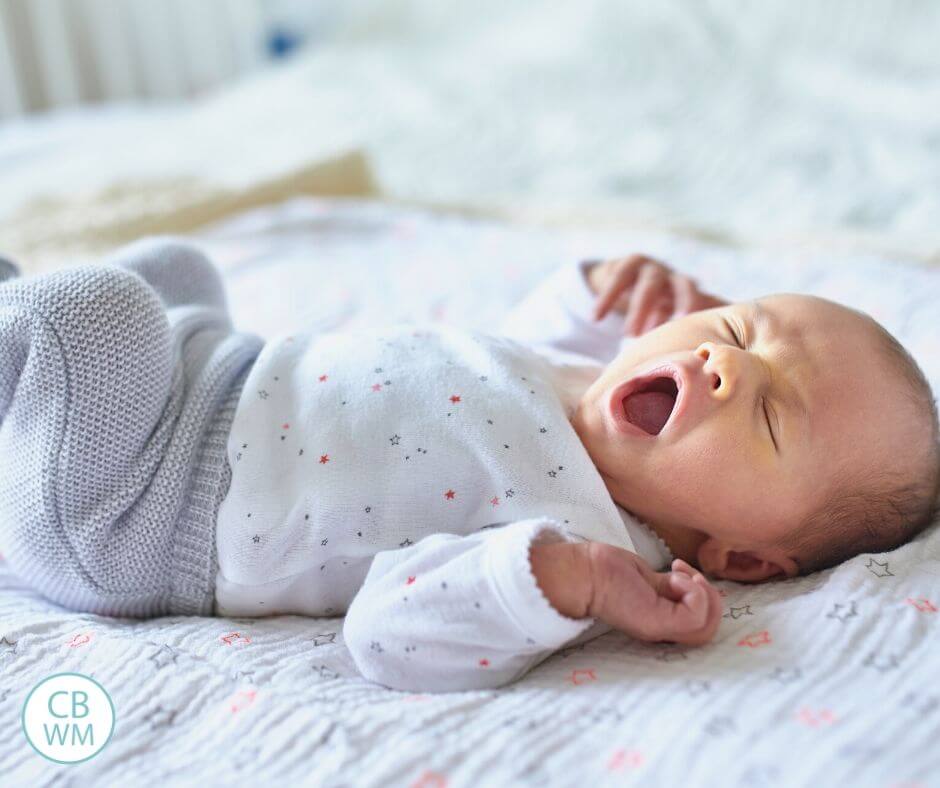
[{"x": 744, "y": 566}]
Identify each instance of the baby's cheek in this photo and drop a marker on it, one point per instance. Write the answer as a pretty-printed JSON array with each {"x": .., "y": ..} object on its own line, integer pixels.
[{"x": 711, "y": 481}]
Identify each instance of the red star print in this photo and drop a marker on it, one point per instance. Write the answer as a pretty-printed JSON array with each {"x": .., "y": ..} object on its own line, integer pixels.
[
  {"x": 78, "y": 640},
  {"x": 923, "y": 605},
  {"x": 323, "y": 377},
  {"x": 449, "y": 495},
  {"x": 376, "y": 386},
  {"x": 588, "y": 675},
  {"x": 324, "y": 459},
  {"x": 816, "y": 718},
  {"x": 625, "y": 758},
  {"x": 755, "y": 639},
  {"x": 234, "y": 637},
  {"x": 484, "y": 663},
  {"x": 455, "y": 398},
  {"x": 494, "y": 500},
  {"x": 285, "y": 426},
  {"x": 411, "y": 579},
  {"x": 430, "y": 780},
  {"x": 242, "y": 699}
]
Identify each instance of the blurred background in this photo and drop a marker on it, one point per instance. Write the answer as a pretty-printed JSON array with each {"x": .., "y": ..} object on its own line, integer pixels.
[{"x": 774, "y": 122}]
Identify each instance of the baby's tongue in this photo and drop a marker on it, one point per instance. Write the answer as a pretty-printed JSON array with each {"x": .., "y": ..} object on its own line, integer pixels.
[{"x": 649, "y": 410}]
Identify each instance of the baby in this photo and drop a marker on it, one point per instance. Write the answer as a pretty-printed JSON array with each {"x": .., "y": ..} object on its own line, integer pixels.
[{"x": 472, "y": 502}]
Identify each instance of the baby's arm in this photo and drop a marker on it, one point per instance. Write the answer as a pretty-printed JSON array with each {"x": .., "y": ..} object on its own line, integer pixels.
[
  {"x": 592, "y": 307},
  {"x": 188, "y": 283},
  {"x": 646, "y": 291},
  {"x": 458, "y": 612},
  {"x": 620, "y": 589},
  {"x": 559, "y": 314}
]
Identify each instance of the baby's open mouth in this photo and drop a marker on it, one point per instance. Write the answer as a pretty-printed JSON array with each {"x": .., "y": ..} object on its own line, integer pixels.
[{"x": 650, "y": 404}]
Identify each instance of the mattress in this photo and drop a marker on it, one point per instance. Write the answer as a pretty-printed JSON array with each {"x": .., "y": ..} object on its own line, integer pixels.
[{"x": 828, "y": 679}]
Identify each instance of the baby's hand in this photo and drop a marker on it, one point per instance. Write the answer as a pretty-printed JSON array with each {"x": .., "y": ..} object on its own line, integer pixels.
[
  {"x": 647, "y": 291},
  {"x": 680, "y": 606}
]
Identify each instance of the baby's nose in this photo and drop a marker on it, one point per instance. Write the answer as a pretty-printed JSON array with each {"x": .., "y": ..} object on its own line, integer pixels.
[{"x": 704, "y": 351}]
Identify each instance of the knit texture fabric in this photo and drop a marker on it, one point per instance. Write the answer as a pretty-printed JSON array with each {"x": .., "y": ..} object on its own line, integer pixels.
[
  {"x": 8, "y": 269},
  {"x": 118, "y": 385}
]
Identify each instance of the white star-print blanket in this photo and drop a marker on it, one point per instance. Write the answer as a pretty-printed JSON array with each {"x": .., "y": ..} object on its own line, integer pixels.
[{"x": 825, "y": 680}]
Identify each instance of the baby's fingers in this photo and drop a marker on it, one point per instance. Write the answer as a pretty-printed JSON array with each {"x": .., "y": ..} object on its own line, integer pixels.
[
  {"x": 706, "y": 632},
  {"x": 645, "y": 295},
  {"x": 623, "y": 278},
  {"x": 684, "y": 610},
  {"x": 684, "y": 292}
]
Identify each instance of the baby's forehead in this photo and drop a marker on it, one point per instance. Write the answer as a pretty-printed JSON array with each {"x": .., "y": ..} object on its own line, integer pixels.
[
  {"x": 825, "y": 338},
  {"x": 784, "y": 311}
]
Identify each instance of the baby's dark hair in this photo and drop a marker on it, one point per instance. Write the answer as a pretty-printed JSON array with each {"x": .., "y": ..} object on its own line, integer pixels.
[{"x": 882, "y": 510}]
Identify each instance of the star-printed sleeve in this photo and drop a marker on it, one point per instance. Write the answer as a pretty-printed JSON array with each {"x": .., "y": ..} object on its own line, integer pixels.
[
  {"x": 455, "y": 612},
  {"x": 558, "y": 315}
]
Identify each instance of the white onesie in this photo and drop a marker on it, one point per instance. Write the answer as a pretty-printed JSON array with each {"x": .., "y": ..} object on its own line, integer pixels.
[{"x": 400, "y": 476}]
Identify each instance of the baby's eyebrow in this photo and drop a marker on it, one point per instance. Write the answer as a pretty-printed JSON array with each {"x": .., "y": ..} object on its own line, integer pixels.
[{"x": 762, "y": 320}]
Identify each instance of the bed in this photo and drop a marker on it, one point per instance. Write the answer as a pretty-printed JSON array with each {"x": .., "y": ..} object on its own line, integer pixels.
[{"x": 825, "y": 679}]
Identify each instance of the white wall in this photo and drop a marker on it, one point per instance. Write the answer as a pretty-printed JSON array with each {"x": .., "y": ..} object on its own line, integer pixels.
[{"x": 64, "y": 52}]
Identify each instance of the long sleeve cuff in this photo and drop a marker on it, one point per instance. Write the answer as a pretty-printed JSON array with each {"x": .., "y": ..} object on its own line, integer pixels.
[
  {"x": 514, "y": 584},
  {"x": 458, "y": 612}
]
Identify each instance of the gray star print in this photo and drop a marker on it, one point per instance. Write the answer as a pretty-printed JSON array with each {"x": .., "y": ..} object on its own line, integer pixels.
[
  {"x": 837, "y": 611},
  {"x": 322, "y": 640},
  {"x": 671, "y": 656},
  {"x": 406, "y": 543},
  {"x": 881, "y": 664},
  {"x": 737, "y": 612},
  {"x": 697, "y": 687},
  {"x": 161, "y": 717},
  {"x": 718, "y": 726},
  {"x": 263, "y": 394},
  {"x": 921, "y": 705},
  {"x": 879, "y": 569},
  {"x": 8, "y": 646},
  {"x": 553, "y": 474},
  {"x": 394, "y": 439},
  {"x": 786, "y": 676},
  {"x": 165, "y": 656}
]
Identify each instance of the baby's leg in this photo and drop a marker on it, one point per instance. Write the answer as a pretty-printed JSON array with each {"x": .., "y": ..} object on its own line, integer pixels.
[
  {"x": 116, "y": 396},
  {"x": 7, "y": 269}
]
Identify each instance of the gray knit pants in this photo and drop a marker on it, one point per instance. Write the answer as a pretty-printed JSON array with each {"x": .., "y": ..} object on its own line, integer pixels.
[{"x": 118, "y": 385}]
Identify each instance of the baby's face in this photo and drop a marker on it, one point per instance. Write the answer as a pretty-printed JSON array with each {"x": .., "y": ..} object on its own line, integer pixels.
[{"x": 756, "y": 434}]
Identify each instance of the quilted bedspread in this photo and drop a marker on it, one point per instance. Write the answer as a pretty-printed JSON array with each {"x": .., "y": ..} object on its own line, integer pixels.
[{"x": 830, "y": 679}]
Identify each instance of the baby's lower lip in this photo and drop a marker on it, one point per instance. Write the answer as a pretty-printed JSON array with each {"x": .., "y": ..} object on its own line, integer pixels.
[{"x": 619, "y": 417}]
